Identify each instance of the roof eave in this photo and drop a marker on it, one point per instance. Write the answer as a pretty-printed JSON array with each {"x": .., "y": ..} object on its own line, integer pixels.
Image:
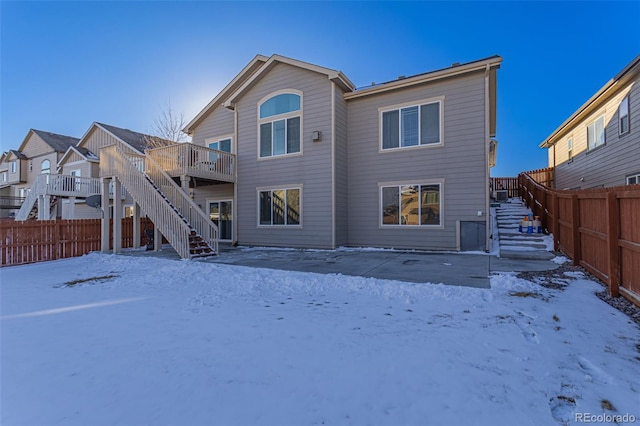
[
  {"x": 594, "y": 101},
  {"x": 335, "y": 76},
  {"x": 481, "y": 65},
  {"x": 249, "y": 68}
]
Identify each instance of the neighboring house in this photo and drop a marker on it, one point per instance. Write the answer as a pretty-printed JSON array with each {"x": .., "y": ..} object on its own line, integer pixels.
[
  {"x": 599, "y": 145},
  {"x": 38, "y": 154},
  {"x": 82, "y": 161},
  {"x": 316, "y": 162}
]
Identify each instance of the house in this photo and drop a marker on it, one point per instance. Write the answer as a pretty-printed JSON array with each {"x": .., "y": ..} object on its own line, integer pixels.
[
  {"x": 599, "y": 144},
  {"x": 312, "y": 161},
  {"x": 38, "y": 154},
  {"x": 82, "y": 162}
]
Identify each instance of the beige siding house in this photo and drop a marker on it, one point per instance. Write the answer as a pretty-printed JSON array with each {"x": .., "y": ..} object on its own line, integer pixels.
[
  {"x": 38, "y": 154},
  {"x": 82, "y": 161},
  {"x": 599, "y": 144},
  {"x": 319, "y": 163}
]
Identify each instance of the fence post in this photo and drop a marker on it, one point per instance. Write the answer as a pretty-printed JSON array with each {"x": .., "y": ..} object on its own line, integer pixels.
[
  {"x": 56, "y": 239},
  {"x": 555, "y": 223},
  {"x": 613, "y": 220},
  {"x": 575, "y": 229}
]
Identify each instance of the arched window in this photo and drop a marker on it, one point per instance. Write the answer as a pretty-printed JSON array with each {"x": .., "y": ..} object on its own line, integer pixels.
[
  {"x": 45, "y": 167},
  {"x": 280, "y": 124}
]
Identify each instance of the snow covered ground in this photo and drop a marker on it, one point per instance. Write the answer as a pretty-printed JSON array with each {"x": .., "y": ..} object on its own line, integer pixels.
[{"x": 118, "y": 340}]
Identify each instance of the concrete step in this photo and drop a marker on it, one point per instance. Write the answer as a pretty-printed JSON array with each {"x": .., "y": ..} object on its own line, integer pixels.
[{"x": 526, "y": 254}]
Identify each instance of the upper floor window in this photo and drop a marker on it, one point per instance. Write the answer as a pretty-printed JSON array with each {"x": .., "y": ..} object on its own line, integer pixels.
[
  {"x": 570, "y": 148},
  {"x": 595, "y": 133},
  {"x": 280, "y": 122},
  {"x": 3, "y": 178},
  {"x": 14, "y": 166},
  {"x": 221, "y": 145},
  {"x": 412, "y": 125},
  {"x": 623, "y": 116},
  {"x": 45, "y": 167}
]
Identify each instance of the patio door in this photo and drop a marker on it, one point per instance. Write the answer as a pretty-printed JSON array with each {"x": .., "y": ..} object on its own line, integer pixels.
[{"x": 221, "y": 213}]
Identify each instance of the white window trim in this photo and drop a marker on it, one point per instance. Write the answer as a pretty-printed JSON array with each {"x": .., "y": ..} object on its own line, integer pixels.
[
  {"x": 570, "y": 148},
  {"x": 215, "y": 139},
  {"x": 219, "y": 200},
  {"x": 42, "y": 168},
  {"x": 625, "y": 99},
  {"x": 604, "y": 131},
  {"x": 271, "y": 119},
  {"x": 418, "y": 103},
  {"x": 276, "y": 188},
  {"x": 14, "y": 166},
  {"x": 411, "y": 182},
  {"x": 5, "y": 176},
  {"x": 637, "y": 176}
]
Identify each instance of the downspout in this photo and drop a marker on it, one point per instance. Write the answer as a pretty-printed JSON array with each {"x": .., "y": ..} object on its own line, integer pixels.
[
  {"x": 487, "y": 111},
  {"x": 234, "y": 212},
  {"x": 333, "y": 165}
]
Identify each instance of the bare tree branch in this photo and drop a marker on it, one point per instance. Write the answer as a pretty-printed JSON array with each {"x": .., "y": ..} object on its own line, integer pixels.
[{"x": 167, "y": 127}]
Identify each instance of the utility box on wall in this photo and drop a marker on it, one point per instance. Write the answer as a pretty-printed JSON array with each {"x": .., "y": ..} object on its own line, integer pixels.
[{"x": 473, "y": 236}]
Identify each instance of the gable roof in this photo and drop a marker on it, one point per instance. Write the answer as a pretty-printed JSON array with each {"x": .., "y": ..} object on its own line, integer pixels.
[
  {"x": 19, "y": 155},
  {"x": 246, "y": 72},
  {"x": 80, "y": 150},
  {"x": 137, "y": 141},
  {"x": 251, "y": 73},
  {"x": 58, "y": 143},
  {"x": 628, "y": 72},
  {"x": 335, "y": 76}
]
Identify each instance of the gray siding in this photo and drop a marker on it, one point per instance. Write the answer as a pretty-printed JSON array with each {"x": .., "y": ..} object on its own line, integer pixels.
[
  {"x": 217, "y": 123},
  {"x": 341, "y": 170},
  {"x": 461, "y": 162},
  {"x": 609, "y": 164},
  {"x": 312, "y": 169}
]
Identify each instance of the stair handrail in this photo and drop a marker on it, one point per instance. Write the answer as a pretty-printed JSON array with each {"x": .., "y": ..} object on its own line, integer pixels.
[
  {"x": 197, "y": 218},
  {"x": 114, "y": 161},
  {"x": 30, "y": 200}
]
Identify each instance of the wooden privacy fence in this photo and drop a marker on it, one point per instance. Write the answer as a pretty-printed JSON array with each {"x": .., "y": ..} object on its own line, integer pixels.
[
  {"x": 509, "y": 184},
  {"x": 599, "y": 229},
  {"x": 41, "y": 240}
]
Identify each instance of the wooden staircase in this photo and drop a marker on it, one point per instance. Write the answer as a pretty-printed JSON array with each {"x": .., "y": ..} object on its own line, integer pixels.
[
  {"x": 189, "y": 230},
  {"x": 29, "y": 208}
]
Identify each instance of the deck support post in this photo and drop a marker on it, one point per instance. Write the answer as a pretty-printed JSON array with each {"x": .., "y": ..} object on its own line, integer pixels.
[
  {"x": 117, "y": 216},
  {"x": 136, "y": 225},
  {"x": 104, "y": 228}
]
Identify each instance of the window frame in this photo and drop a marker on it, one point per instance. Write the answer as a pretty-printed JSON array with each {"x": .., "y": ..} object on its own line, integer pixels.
[
  {"x": 279, "y": 117},
  {"x": 398, "y": 184},
  {"x": 635, "y": 176},
  {"x": 399, "y": 107},
  {"x": 625, "y": 100},
  {"x": 42, "y": 169},
  {"x": 570, "y": 148},
  {"x": 299, "y": 225},
  {"x": 604, "y": 132},
  {"x": 4, "y": 176},
  {"x": 218, "y": 139},
  {"x": 14, "y": 166}
]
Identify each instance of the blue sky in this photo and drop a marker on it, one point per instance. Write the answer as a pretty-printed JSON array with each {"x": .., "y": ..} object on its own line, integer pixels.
[{"x": 67, "y": 64}]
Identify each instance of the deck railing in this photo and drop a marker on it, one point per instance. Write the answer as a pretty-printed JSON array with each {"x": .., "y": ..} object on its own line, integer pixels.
[
  {"x": 61, "y": 186},
  {"x": 194, "y": 160}
]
